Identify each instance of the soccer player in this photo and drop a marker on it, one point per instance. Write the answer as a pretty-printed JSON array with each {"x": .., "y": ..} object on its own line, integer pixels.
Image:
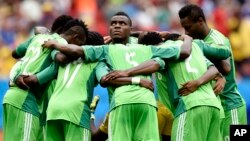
[
  {"x": 132, "y": 100},
  {"x": 193, "y": 21},
  {"x": 21, "y": 107},
  {"x": 68, "y": 113},
  {"x": 189, "y": 102}
]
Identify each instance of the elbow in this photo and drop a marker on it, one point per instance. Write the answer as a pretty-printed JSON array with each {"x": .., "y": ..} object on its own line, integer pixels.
[
  {"x": 226, "y": 70},
  {"x": 61, "y": 59},
  {"x": 156, "y": 66},
  {"x": 14, "y": 55},
  {"x": 185, "y": 54}
]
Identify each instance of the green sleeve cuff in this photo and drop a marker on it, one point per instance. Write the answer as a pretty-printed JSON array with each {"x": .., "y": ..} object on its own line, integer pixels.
[
  {"x": 160, "y": 62},
  {"x": 47, "y": 74},
  {"x": 101, "y": 70},
  {"x": 53, "y": 54}
]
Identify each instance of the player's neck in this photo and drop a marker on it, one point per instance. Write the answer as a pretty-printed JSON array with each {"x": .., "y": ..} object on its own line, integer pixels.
[{"x": 120, "y": 41}]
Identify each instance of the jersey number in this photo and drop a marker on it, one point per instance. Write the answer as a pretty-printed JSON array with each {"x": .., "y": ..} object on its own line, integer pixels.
[
  {"x": 129, "y": 57},
  {"x": 188, "y": 65},
  {"x": 34, "y": 53},
  {"x": 69, "y": 79}
]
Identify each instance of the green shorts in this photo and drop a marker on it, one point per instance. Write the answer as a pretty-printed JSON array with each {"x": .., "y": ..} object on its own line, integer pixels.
[
  {"x": 201, "y": 123},
  {"x": 62, "y": 130},
  {"x": 19, "y": 125},
  {"x": 137, "y": 122},
  {"x": 233, "y": 117}
]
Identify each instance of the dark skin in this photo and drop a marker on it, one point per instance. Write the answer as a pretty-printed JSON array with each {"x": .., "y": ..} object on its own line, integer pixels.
[
  {"x": 199, "y": 30},
  {"x": 119, "y": 29}
]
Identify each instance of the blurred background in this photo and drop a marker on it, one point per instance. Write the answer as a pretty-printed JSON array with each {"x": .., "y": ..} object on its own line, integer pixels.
[{"x": 18, "y": 17}]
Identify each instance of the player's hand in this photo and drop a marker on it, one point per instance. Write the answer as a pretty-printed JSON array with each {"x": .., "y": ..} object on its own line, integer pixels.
[
  {"x": 20, "y": 82},
  {"x": 184, "y": 36},
  {"x": 188, "y": 87},
  {"x": 31, "y": 80},
  {"x": 107, "y": 39},
  {"x": 116, "y": 74},
  {"x": 219, "y": 85},
  {"x": 163, "y": 34},
  {"x": 49, "y": 44},
  {"x": 147, "y": 84}
]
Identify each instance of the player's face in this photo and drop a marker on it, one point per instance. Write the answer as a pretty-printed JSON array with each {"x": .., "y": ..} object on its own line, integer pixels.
[
  {"x": 193, "y": 29},
  {"x": 119, "y": 28}
]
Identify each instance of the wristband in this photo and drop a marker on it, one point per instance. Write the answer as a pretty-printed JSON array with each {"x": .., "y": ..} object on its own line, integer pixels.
[{"x": 136, "y": 80}]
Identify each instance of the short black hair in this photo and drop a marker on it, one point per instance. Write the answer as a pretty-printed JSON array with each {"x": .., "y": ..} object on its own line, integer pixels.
[
  {"x": 150, "y": 38},
  {"x": 121, "y": 13},
  {"x": 76, "y": 22},
  {"x": 192, "y": 11},
  {"x": 94, "y": 38},
  {"x": 172, "y": 36},
  {"x": 59, "y": 23},
  {"x": 77, "y": 27}
]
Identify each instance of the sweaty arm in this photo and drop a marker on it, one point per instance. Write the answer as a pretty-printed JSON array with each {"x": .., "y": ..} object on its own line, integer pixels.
[{"x": 67, "y": 49}]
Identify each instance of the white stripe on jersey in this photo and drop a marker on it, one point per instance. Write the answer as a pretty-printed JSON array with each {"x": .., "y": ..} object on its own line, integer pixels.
[
  {"x": 27, "y": 126},
  {"x": 180, "y": 128},
  {"x": 217, "y": 39}
]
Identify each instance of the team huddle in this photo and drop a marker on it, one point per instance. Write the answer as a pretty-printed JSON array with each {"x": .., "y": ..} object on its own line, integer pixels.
[{"x": 51, "y": 85}]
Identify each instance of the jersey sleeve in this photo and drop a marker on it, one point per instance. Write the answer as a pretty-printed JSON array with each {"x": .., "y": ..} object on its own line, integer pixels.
[
  {"x": 208, "y": 63},
  {"x": 213, "y": 51},
  {"x": 101, "y": 70},
  {"x": 53, "y": 54},
  {"x": 47, "y": 74},
  {"x": 94, "y": 53},
  {"x": 160, "y": 62},
  {"x": 169, "y": 53},
  {"x": 21, "y": 49}
]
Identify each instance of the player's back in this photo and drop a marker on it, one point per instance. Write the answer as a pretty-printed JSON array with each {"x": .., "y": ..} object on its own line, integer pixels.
[
  {"x": 73, "y": 93},
  {"x": 36, "y": 57},
  {"x": 180, "y": 72}
]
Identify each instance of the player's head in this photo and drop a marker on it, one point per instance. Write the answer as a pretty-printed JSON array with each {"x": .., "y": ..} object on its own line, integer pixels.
[
  {"x": 75, "y": 32},
  {"x": 59, "y": 23},
  {"x": 120, "y": 27},
  {"x": 193, "y": 21},
  {"x": 149, "y": 38},
  {"x": 94, "y": 38}
]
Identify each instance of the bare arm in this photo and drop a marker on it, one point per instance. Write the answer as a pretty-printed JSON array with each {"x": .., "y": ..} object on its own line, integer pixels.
[
  {"x": 146, "y": 68},
  {"x": 193, "y": 85},
  {"x": 186, "y": 47},
  {"x": 69, "y": 49},
  {"x": 127, "y": 81},
  {"x": 223, "y": 66}
]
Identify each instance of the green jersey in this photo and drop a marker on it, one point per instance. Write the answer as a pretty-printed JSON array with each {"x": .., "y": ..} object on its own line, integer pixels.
[
  {"x": 162, "y": 90},
  {"x": 230, "y": 97},
  {"x": 161, "y": 76},
  {"x": 35, "y": 61},
  {"x": 167, "y": 90},
  {"x": 73, "y": 93},
  {"x": 121, "y": 57}
]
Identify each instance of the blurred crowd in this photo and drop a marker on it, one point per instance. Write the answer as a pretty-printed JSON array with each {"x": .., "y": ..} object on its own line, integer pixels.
[
  {"x": 231, "y": 17},
  {"x": 18, "y": 17}
]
